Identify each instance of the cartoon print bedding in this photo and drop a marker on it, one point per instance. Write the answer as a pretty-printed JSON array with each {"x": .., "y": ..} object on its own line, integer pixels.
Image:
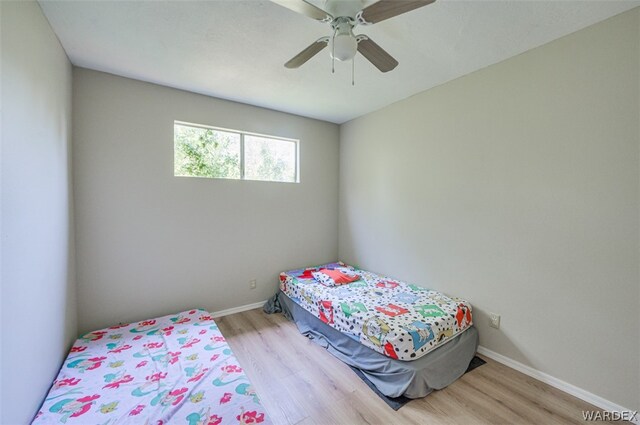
[
  {"x": 399, "y": 320},
  {"x": 176, "y": 369}
]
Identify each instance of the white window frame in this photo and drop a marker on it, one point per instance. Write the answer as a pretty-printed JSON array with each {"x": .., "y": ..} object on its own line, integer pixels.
[{"x": 241, "y": 133}]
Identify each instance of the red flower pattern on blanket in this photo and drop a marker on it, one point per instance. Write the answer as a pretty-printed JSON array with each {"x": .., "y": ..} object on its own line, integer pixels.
[
  {"x": 392, "y": 310},
  {"x": 226, "y": 398},
  {"x": 116, "y": 384},
  {"x": 67, "y": 382},
  {"x": 326, "y": 311},
  {"x": 78, "y": 349},
  {"x": 251, "y": 417}
]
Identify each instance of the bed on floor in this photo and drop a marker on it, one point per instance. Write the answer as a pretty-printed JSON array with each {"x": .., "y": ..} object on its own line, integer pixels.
[
  {"x": 175, "y": 369},
  {"x": 407, "y": 340}
]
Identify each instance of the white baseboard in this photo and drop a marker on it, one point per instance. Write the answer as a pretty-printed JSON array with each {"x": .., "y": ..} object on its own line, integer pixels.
[
  {"x": 568, "y": 388},
  {"x": 240, "y": 309}
]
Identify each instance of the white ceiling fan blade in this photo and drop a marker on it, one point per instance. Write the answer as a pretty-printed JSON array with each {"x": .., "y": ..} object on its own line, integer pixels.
[
  {"x": 385, "y": 9},
  {"x": 304, "y": 8},
  {"x": 302, "y": 57},
  {"x": 376, "y": 54}
]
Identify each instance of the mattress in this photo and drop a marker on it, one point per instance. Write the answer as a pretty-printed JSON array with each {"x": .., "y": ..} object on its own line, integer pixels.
[
  {"x": 175, "y": 369},
  {"x": 393, "y": 378},
  {"x": 399, "y": 320}
]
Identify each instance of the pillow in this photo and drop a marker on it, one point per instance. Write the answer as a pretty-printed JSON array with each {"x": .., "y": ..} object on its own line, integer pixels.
[
  {"x": 308, "y": 272},
  {"x": 335, "y": 277}
]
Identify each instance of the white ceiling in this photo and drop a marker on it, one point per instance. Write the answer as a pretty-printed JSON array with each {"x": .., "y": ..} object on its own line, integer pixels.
[{"x": 236, "y": 49}]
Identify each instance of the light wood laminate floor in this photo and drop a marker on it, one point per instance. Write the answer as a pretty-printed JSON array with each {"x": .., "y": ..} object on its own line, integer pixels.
[{"x": 299, "y": 382}]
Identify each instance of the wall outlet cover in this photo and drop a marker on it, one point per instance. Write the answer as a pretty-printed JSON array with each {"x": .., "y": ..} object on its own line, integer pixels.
[{"x": 494, "y": 320}]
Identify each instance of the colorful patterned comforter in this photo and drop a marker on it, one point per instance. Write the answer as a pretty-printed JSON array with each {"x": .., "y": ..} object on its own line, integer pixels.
[
  {"x": 399, "y": 320},
  {"x": 177, "y": 369}
]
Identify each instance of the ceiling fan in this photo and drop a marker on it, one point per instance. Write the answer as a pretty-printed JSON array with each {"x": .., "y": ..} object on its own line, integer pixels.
[{"x": 343, "y": 16}]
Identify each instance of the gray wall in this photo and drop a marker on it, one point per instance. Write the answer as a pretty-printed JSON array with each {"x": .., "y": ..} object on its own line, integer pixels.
[
  {"x": 149, "y": 243},
  {"x": 516, "y": 187},
  {"x": 38, "y": 287}
]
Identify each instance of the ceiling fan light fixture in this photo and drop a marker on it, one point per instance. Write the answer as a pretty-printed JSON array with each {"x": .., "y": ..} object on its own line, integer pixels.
[{"x": 345, "y": 47}]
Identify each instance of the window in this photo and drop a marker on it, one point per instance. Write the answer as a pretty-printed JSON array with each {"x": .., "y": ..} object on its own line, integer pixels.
[
  {"x": 269, "y": 159},
  {"x": 205, "y": 152},
  {"x": 201, "y": 151}
]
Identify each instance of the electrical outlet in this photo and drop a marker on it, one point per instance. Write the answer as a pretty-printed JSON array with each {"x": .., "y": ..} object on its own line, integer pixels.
[
  {"x": 494, "y": 320},
  {"x": 252, "y": 284}
]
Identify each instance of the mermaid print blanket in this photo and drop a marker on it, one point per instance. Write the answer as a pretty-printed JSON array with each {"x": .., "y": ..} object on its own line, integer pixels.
[{"x": 176, "y": 369}]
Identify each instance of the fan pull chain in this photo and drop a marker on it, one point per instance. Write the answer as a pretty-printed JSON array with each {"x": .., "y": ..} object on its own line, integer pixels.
[
  {"x": 353, "y": 71},
  {"x": 333, "y": 51}
]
